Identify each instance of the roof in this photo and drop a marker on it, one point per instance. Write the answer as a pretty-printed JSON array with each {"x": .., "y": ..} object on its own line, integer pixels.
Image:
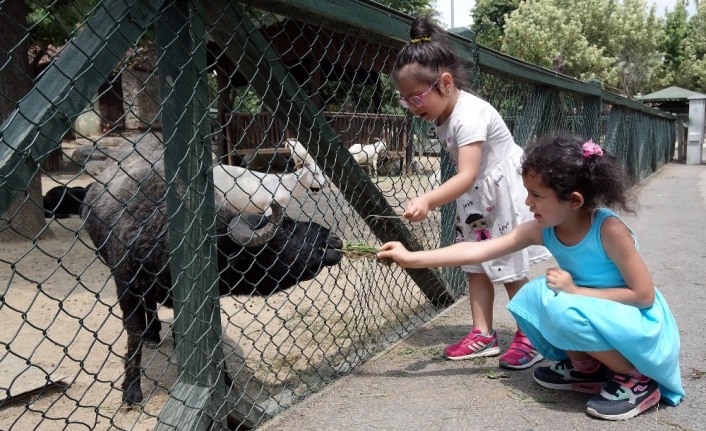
[{"x": 672, "y": 93}]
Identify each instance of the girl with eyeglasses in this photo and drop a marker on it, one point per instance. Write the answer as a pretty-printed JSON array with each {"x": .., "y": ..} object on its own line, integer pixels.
[{"x": 487, "y": 186}]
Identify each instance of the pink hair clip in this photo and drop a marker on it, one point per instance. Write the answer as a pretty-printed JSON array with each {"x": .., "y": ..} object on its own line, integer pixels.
[{"x": 590, "y": 148}]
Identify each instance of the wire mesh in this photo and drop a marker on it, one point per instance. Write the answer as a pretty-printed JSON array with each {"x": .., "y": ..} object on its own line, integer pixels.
[{"x": 86, "y": 129}]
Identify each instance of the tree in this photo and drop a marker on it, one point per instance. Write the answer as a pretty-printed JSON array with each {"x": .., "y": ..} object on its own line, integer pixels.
[
  {"x": 410, "y": 7},
  {"x": 636, "y": 45},
  {"x": 615, "y": 42},
  {"x": 489, "y": 20},
  {"x": 538, "y": 31},
  {"x": 692, "y": 74},
  {"x": 676, "y": 29},
  {"x": 53, "y": 22},
  {"x": 15, "y": 81}
]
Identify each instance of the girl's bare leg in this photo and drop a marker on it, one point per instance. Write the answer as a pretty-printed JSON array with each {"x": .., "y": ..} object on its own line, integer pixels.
[{"x": 481, "y": 294}]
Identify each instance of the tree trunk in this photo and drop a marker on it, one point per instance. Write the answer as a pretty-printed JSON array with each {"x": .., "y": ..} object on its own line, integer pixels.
[{"x": 25, "y": 217}]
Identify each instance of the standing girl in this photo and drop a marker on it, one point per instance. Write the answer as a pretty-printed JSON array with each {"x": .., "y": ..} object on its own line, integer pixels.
[
  {"x": 598, "y": 313},
  {"x": 487, "y": 187}
]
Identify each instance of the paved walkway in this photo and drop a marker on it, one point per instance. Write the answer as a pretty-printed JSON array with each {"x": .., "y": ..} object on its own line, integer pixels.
[{"x": 411, "y": 387}]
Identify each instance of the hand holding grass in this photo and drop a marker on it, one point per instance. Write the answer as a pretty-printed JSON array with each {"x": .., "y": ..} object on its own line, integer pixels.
[{"x": 395, "y": 251}]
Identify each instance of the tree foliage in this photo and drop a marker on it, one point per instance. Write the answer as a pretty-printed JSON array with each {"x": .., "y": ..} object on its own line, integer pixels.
[
  {"x": 489, "y": 20},
  {"x": 410, "y": 7},
  {"x": 623, "y": 43},
  {"x": 676, "y": 28},
  {"x": 615, "y": 42},
  {"x": 54, "y": 22},
  {"x": 692, "y": 71}
]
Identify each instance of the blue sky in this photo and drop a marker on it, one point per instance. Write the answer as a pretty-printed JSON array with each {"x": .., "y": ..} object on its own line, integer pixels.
[{"x": 462, "y": 8}]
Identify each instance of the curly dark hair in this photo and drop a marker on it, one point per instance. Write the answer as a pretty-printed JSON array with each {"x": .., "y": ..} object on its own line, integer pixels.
[
  {"x": 429, "y": 49},
  {"x": 601, "y": 180}
]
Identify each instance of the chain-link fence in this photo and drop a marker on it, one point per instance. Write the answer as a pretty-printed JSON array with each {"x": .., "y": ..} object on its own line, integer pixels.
[{"x": 141, "y": 285}]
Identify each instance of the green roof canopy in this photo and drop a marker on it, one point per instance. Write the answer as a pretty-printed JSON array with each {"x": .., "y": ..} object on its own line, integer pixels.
[{"x": 672, "y": 93}]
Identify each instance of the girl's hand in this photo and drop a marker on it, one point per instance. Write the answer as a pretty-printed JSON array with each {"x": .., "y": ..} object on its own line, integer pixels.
[
  {"x": 561, "y": 281},
  {"x": 417, "y": 210},
  {"x": 395, "y": 251}
]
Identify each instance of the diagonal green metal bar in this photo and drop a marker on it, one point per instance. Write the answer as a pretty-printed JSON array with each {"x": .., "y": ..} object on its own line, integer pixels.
[
  {"x": 290, "y": 104},
  {"x": 46, "y": 113}
]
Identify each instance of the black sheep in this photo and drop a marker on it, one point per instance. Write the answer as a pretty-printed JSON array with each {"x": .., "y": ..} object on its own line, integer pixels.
[
  {"x": 125, "y": 215},
  {"x": 63, "y": 201}
]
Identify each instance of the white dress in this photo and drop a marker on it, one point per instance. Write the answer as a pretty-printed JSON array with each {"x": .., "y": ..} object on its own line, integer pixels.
[{"x": 496, "y": 203}]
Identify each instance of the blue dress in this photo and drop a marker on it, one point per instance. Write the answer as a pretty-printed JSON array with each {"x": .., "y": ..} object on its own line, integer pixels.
[{"x": 648, "y": 337}]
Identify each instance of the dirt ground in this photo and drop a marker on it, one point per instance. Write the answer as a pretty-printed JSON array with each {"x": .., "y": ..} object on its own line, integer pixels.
[{"x": 60, "y": 317}]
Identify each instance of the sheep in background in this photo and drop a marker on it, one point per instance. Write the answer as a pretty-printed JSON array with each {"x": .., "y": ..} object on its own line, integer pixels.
[
  {"x": 369, "y": 154},
  {"x": 62, "y": 201},
  {"x": 126, "y": 217},
  {"x": 417, "y": 166},
  {"x": 435, "y": 179},
  {"x": 249, "y": 191}
]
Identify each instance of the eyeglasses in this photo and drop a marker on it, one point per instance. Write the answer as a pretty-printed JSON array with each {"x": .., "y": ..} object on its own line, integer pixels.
[{"x": 416, "y": 101}]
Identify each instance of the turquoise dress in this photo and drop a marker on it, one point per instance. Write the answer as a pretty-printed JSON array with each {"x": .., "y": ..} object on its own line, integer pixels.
[{"x": 556, "y": 322}]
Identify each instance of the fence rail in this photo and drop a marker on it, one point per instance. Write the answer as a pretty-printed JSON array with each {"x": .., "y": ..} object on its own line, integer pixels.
[{"x": 143, "y": 286}]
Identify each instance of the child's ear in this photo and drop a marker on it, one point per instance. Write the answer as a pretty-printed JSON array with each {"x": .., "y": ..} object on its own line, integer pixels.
[
  {"x": 446, "y": 81},
  {"x": 576, "y": 200}
]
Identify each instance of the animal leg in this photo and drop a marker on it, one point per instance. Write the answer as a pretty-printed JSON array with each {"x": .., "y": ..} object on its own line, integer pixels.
[
  {"x": 135, "y": 325},
  {"x": 154, "y": 325}
]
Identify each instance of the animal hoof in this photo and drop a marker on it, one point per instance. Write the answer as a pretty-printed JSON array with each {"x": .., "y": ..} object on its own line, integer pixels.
[
  {"x": 150, "y": 336},
  {"x": 133, "y": 395}
]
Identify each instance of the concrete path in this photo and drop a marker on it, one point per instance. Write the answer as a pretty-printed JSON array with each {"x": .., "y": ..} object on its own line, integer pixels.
[{"x": 410, "y": 387}]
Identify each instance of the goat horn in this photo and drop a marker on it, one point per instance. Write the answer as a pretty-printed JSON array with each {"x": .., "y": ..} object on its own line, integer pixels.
[{"x": 242, "y": 232}]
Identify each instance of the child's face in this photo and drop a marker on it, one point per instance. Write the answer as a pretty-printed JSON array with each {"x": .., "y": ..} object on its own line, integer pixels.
[
  {"x": 434, "y": 106},
  {"x": 548, "y": 209}
]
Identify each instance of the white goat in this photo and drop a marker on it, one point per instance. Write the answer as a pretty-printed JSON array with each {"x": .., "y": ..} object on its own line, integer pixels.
[
  {"x": 368, "y": 154},
  {"x": 417, "y": 166},
  {"x": 299, "y": 153},
  {"x": 252, "y": 192}
]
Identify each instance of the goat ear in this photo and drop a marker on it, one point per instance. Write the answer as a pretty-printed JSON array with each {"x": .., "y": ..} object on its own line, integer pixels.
[
  {"x": 243, "y": 233},
  {"x": 298, "y": 166}
]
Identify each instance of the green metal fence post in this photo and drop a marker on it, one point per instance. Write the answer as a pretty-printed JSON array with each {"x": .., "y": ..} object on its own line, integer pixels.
[{"x": 181, "y": 39}]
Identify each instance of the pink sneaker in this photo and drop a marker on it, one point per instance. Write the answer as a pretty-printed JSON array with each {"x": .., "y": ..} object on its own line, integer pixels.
[
  {"x": 521, "y": 354},
  {"x": 473, "y": 345}
]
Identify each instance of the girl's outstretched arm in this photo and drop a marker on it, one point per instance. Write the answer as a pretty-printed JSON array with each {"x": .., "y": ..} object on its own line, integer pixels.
[{"x": 465, "y": 253}]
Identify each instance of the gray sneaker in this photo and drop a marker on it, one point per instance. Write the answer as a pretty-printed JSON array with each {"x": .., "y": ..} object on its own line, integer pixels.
[
  {"x": 623, "y": 397},
  {"x": 563, "y": 376}
]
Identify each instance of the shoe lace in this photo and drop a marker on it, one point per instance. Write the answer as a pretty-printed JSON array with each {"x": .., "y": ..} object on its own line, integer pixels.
[
  {"x": 615, "y": 383},
  {"x": 561, "y": 366}
]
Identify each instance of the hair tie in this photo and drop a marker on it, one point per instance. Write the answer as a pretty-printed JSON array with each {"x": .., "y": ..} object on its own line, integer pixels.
[
  {"x": 590, "y": 148},
  {"x": 421, "y": 39}
]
